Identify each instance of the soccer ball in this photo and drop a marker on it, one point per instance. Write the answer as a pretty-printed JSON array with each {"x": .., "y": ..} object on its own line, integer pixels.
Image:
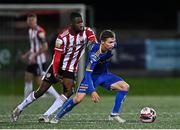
[{"x": 147, "y": 115}]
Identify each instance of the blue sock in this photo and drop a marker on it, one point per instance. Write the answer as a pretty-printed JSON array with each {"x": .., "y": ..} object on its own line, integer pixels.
[
  {"x": 120, "y": 96},
  {"x": 65, "y": 108}
]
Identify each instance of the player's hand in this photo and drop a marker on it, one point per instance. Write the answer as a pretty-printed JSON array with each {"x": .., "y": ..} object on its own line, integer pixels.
[{"x": 95, "y": 97}]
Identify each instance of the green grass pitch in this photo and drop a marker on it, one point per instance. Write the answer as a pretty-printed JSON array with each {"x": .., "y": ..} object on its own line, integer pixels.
[{"x": 89, "y": 115}]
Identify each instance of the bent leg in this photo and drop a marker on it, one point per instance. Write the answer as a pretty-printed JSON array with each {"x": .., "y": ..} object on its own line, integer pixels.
[
  {"x": 44, "y": 86},
  {"x": 51, "y": 90},
  {"x": 68, "y": 87},
  {"x": 69, "y": 105},
  {"x": 34, "y": 95},
  {"x": 122, "y": 90},
  {"x": 55, "y": 106},
  {"x": 114, "y": 82}
]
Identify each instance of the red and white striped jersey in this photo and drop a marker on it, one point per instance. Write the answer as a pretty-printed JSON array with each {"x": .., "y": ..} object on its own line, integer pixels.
[
  {"x": 72, "y": 46},
  {"x": 35, "y": 43}
]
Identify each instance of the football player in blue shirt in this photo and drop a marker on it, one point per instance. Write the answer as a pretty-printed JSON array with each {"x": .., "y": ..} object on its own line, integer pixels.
[{"x": 96, "y": 73}]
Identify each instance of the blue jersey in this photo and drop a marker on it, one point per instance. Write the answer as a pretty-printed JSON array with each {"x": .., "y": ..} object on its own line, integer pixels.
[
  {"x": 98, "y": 62},
  {"x": 96, "y": 70}
]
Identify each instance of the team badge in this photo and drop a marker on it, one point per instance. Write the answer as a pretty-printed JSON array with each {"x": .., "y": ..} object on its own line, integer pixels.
[{"x": 58, "y": 42}]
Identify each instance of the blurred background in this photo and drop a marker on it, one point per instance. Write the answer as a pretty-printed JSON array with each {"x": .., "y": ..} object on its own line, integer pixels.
[{"x": 148, "y": 34}]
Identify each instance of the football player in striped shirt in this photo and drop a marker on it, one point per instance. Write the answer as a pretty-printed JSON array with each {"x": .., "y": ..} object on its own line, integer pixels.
[
  {"x": 35, "y": 56},
  {"x": 96, "y": 73},
  {"x": 69, "y": 47}
]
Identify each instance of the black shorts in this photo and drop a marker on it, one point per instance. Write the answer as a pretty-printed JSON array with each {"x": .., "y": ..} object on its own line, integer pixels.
[
  {"x": 49, "y": 76},
  {"x": 36, "y": 69}
]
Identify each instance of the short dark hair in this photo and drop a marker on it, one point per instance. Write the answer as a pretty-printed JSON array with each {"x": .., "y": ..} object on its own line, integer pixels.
[
  {"x": 106, "y": 34},
  {"x": 31, "y": 15},
  {"x": 74, "y": 15}
]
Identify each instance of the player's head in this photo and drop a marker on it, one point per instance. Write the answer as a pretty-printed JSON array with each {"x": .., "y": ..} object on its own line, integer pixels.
[
  {"x": 76, "y": 22},
  {"x": 32, "y": 20},
  {"x": 108, "y": 39}
]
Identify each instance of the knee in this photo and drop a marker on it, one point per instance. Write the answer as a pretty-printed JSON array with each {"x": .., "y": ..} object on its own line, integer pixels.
[
  {"x": 41, "y": 90},
  {"x": 77, "y": 99},
  {"x": 69, "y": 91},
  {"x": 124, "y": 87}
]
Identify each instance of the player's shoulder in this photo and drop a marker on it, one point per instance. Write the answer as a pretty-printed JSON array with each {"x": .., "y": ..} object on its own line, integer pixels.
[
  {"x": 40, "y": 29},
  {"x": 87, "y": 29},
  {"x": 41, "y": 32},
  {"x": 63, "y": 33},
  {"x": 95, "y": 46}
]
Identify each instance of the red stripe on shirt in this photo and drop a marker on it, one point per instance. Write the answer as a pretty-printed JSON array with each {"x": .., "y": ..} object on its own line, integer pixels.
[
  {"x": 79, "y": 54},
  {"x": 72, "y": 54}
]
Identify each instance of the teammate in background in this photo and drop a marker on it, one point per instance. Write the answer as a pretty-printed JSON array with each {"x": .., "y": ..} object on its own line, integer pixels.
[
  {"x": 96, "y": 73},
  {"x": 69, "y": 47},
  {"x": 36, "y": 56}
]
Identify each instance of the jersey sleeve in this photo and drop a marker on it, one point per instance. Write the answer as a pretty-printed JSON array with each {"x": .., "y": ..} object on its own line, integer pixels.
[
  {"x": 87, "y": 85},
  {"x": 59, "y": 45},
  {"x": 87, "y": 80},
  {"x": 58, "y": 50},
  {"x": 93, "y": 60},
  {"x": 90, "y": 35},
  {"x": 41, "y": 35}
]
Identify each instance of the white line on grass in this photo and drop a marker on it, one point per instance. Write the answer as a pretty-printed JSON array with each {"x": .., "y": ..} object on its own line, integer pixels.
[{"x": 76, "y": 114}]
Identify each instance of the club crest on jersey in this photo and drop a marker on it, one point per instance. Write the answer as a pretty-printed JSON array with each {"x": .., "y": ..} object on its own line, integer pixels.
[{"x": 58, "y": 42}]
